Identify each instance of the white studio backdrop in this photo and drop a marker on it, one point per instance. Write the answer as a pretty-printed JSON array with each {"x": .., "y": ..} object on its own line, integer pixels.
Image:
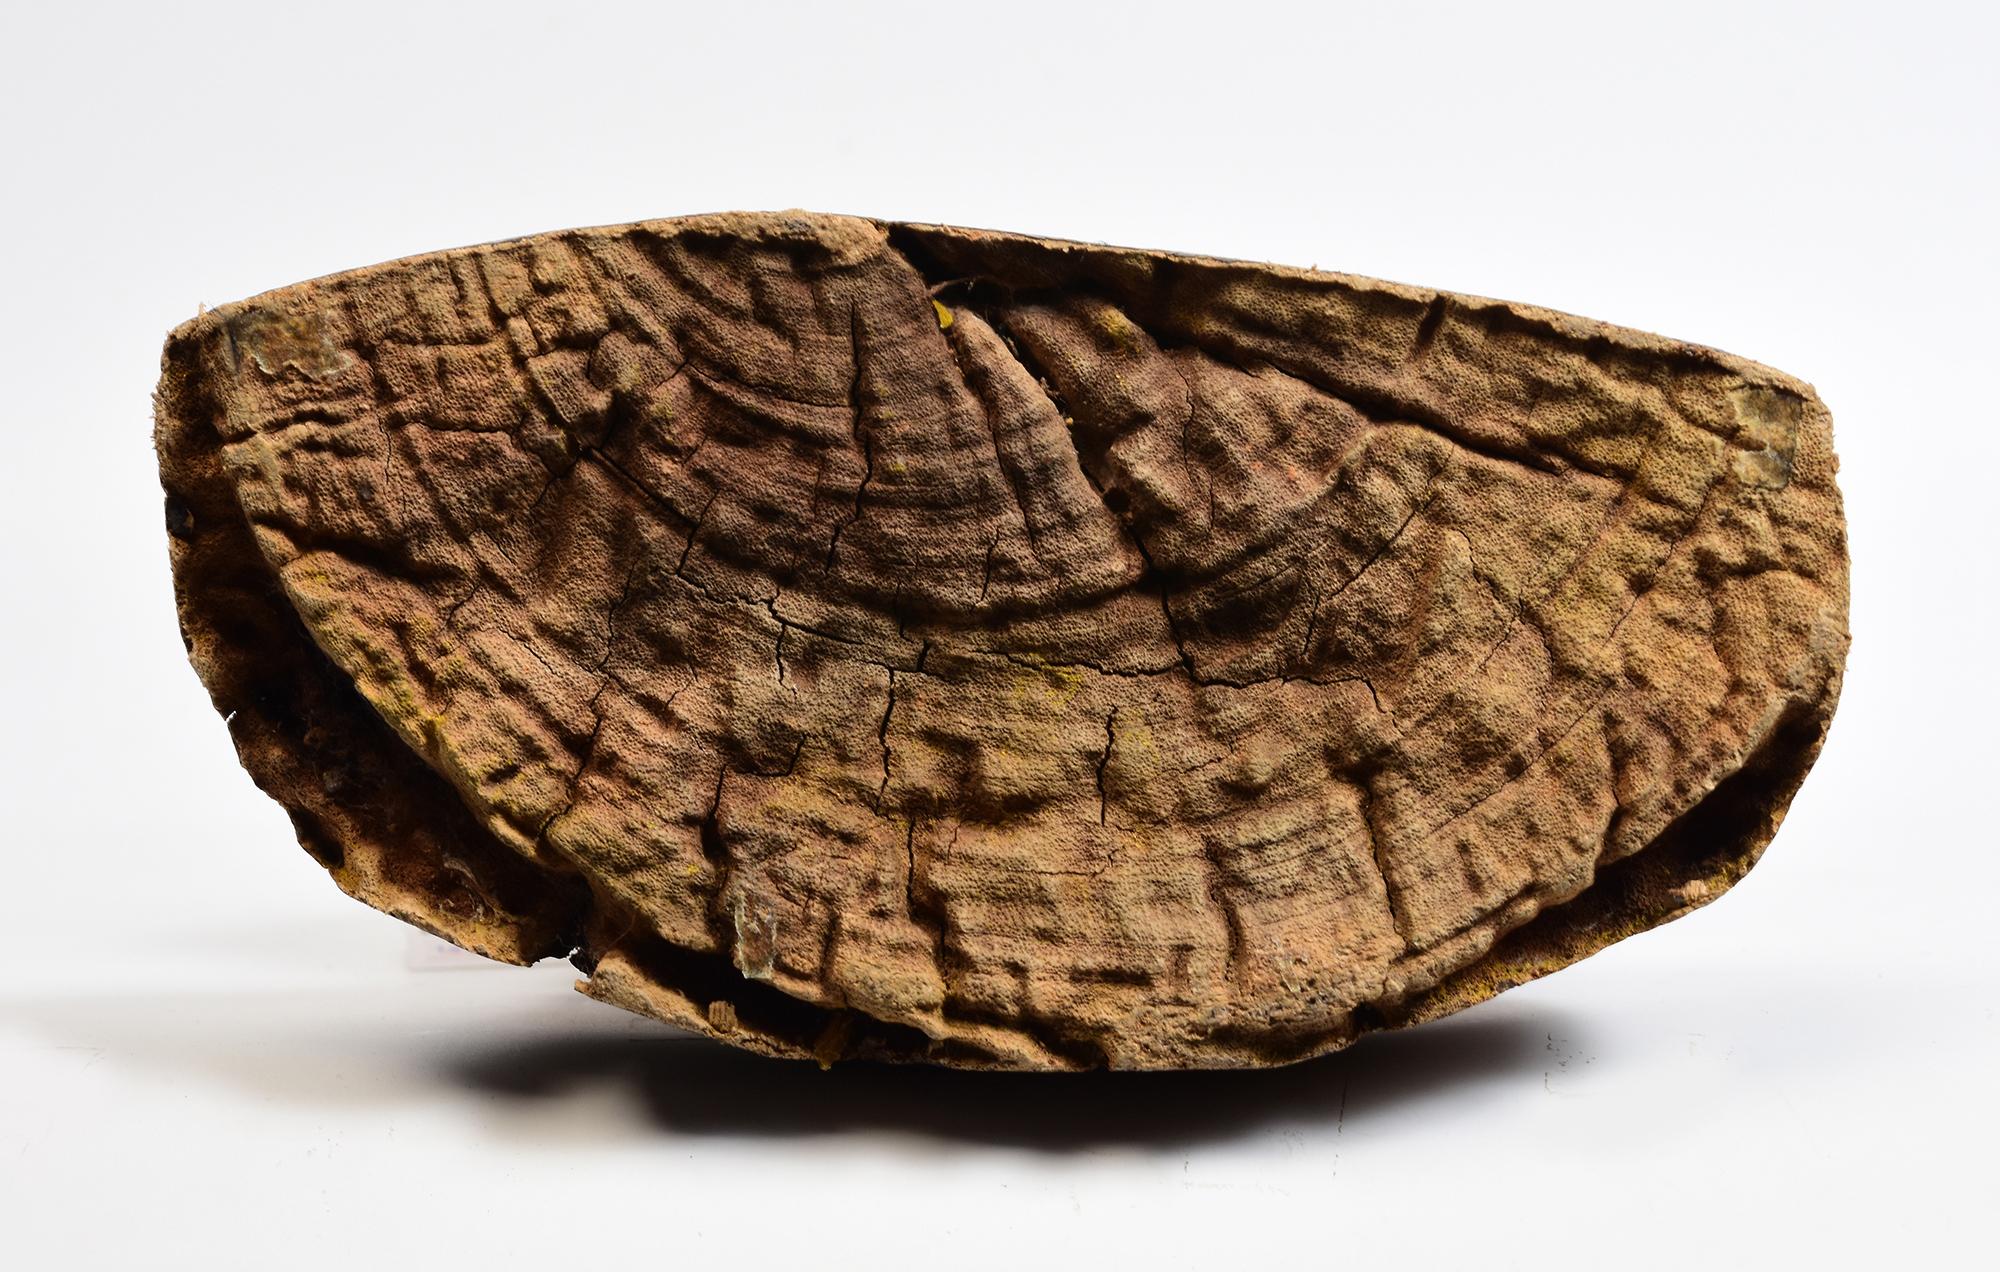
[{"x": 210, "y": 1058}]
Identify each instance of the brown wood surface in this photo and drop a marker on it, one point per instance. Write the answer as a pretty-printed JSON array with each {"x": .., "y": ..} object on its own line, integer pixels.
[{"x": 855, "y": 639}]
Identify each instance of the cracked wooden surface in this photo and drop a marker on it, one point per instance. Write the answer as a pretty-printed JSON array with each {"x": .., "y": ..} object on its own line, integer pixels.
[{"x": 854, "y": 639}]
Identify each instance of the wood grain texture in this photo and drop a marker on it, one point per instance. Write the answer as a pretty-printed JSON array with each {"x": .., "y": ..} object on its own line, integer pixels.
[{"x": 853, "y": 639}]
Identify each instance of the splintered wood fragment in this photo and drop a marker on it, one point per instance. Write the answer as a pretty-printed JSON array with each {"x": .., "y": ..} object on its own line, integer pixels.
[{"x": 863, "y": 640}]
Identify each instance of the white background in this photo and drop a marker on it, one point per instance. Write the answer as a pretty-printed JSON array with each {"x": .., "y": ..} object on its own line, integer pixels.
[{"x": 211, "y": 1059}]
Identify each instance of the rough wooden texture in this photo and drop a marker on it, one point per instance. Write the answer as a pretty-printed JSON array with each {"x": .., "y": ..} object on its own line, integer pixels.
[{"x": 866, "y": 640}]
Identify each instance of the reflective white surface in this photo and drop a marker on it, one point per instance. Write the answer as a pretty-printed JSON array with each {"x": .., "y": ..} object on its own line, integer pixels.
[{"x": 211, "y": 1059}]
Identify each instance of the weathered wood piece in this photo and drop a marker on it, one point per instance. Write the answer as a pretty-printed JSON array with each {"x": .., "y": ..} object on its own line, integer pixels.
[{"x": 854, "y": 639}]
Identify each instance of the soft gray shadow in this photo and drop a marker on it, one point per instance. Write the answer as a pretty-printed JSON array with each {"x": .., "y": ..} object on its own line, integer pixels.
[
  {"x": 546, "y": 1060},
  {"x": 695, "y": 1088}
]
